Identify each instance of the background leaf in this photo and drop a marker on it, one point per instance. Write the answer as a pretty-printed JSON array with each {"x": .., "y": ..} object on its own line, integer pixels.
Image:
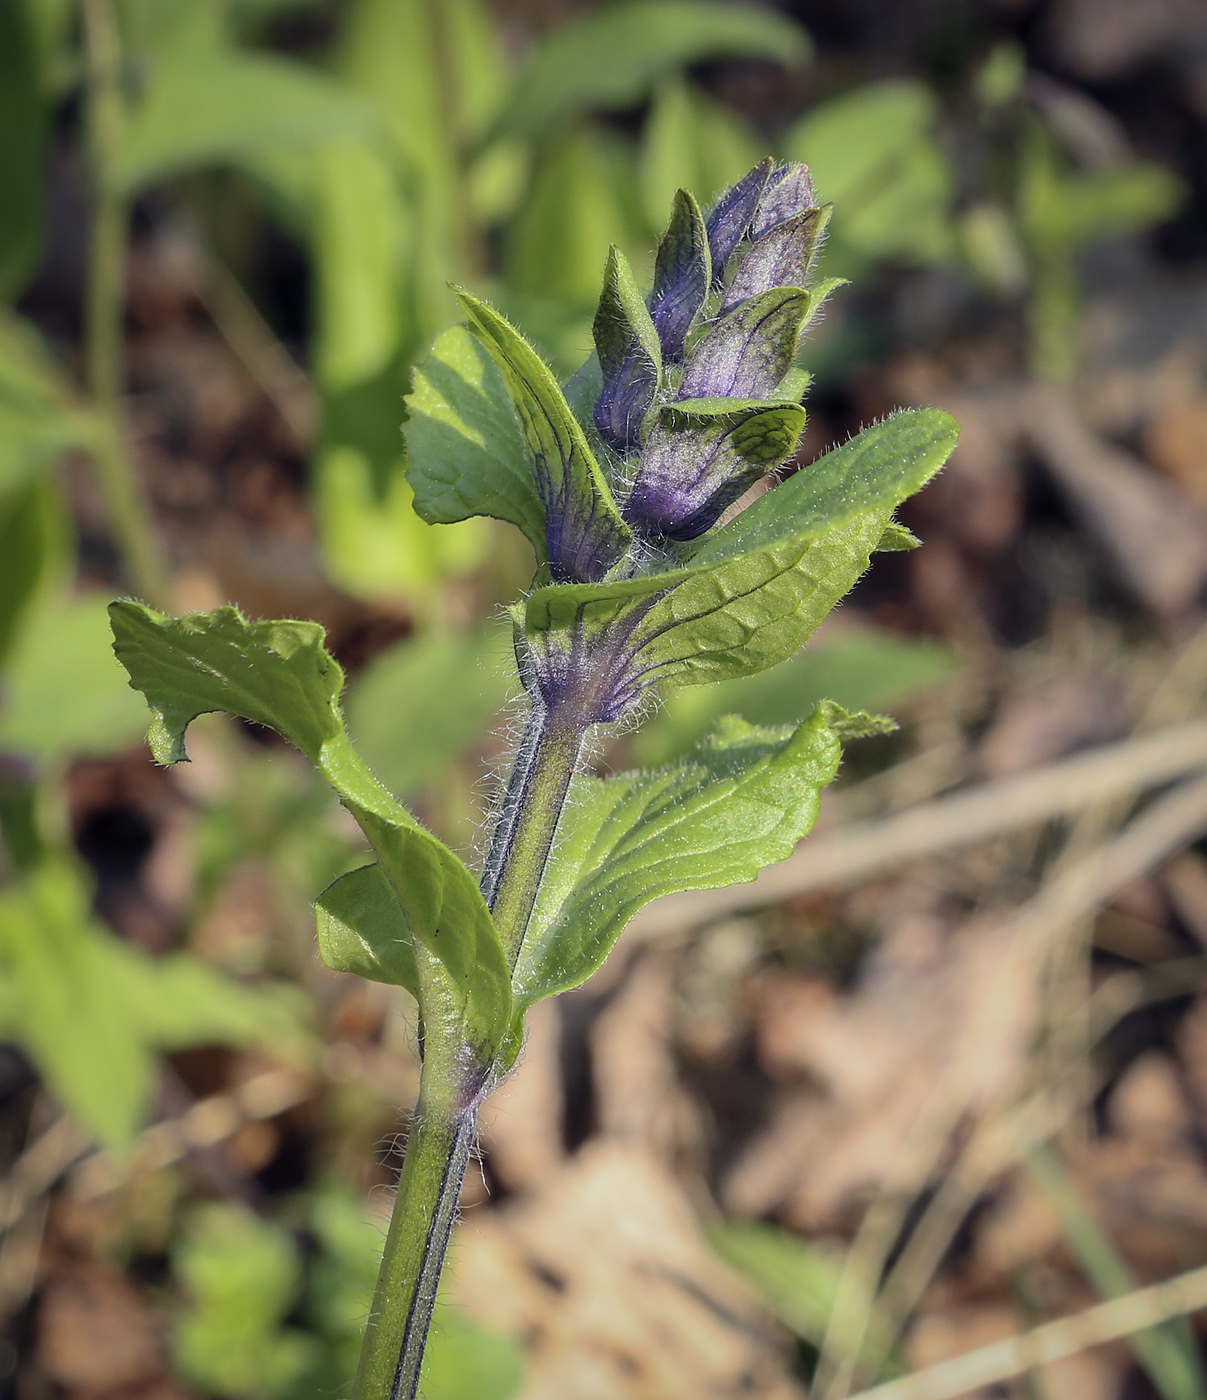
[
  {"x": 422, "y": 704},
  {"x": 612, "y": 56},
  {"x": 863, "y": 669},
  {"x": 64, "y": 692}
]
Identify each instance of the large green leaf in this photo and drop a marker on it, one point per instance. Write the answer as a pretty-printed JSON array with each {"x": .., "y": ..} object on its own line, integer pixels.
[
  {"x": 741, "y": 801},
  {"x": 209, "y": 106},
  {"x": 614, "y": 55},
  {"x": 279, "y": 674},
  {"x": 584, "y": 533},
  {"x": 465, "y": 455},
  {"x": 756, "y": 588}
]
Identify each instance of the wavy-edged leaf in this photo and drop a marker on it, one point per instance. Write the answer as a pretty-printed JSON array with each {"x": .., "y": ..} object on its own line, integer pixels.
[
  {"x": 755, "y": 589},
  {"x": 611, "y": 57},
  {"x": 280, "y": 674},
  {"x": 740, "y": 801},
  {"x": 465, "y": 454},
  {"x": 584, "y": 533}
]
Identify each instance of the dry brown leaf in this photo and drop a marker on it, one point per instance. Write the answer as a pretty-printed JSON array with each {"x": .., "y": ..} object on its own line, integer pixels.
[
  {"x": 521, "y": 1122},
  {"x": 607, "y": 1277},
  {"x": 638, "y": 1093},
  {"x": 95, "y": 1333},
  {"x": 934, "y": 1017},
  {"x": 1175, "y": 442}
]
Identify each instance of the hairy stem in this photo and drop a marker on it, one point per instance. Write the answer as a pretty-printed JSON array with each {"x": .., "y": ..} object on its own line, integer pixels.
[
  {"x": 428, "y": 1191},
  {"x": 532, "y": 808},
  {"x": 125, "y": 501},
  {"x": 441, "y": 1138}
]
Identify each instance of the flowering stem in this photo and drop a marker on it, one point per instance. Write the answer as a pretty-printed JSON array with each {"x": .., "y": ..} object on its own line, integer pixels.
[
  {"x": 445, "y": 1121},
  {"x": 532, "y": 808}
]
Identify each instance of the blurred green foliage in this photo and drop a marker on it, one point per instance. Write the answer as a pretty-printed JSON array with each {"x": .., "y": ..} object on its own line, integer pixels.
[{"x": 261, "y": 1319}]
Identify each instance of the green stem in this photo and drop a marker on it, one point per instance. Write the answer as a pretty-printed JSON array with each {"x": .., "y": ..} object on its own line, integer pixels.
[
  {"x": 532, "y": 808},
  {"x": 428, "y": 1190},
  {"x": 445, "y": 1122},
  {"x": 125, "y": 501}
]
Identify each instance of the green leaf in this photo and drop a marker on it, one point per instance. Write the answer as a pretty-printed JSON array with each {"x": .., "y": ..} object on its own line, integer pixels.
[
  {"x": 242, "y": 1275},
  {"x": 855, "y": 724},
  {"x": 896, "y": 539},
  {"x": 212, "y": 106},
  {"x": 22, "y": 138},
  {"x": 613, "y": 56},
  {"x": 279, "y": 674},
  {"x": 578, "y": 203},
  {"x": 741, "y": 801},
  {"x": 872, "y": 153},
  {"x": 91, "y": 1010},
  {"x": 465, "y": 455},
  {"x": 362, "y": 929},
  {"x": 64, "y": 693},
  {"x": 421, "y": 704},
  {"x": 34, "y": 543},
  {"x": 578, "y": 502},
  {"x": 797, "y": 1278},
  {"x": 860, "y": 668},
  {"x": 38, "y": 416},
  {"x": 757, "y": 588}
]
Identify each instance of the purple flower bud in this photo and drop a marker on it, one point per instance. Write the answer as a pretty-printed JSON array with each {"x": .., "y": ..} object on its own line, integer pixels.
[
  {"x": 701, "y": 456},
  {"x": 630, "y": 356},
  {"x": 782, "y": 257},
  {"x": 732, "y": 215},
  {"x": 748, "y": 353},
  {"x": 682, "y": 274},
  {"x": 788, "y": 192}
]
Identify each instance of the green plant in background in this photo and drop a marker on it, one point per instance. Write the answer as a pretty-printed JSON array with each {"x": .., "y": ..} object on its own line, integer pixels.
[
  {"x": 692, "y": 399},
  {"x": 1029, "y": 234},
  {"x": 242, "y": 1277}
]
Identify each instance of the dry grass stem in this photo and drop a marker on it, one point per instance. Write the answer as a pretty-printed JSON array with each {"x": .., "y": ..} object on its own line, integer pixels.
[{"x": 1106, "y": 1322}]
